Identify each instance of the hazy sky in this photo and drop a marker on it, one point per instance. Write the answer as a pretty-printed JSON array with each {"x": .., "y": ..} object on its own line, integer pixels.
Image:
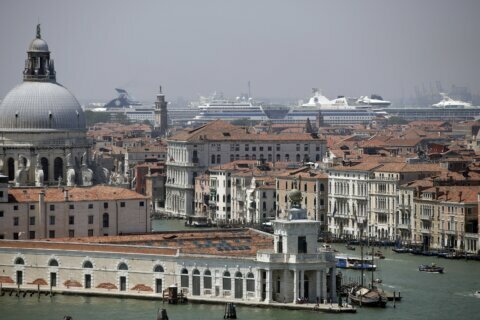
[{"x": 283, "y": 47}]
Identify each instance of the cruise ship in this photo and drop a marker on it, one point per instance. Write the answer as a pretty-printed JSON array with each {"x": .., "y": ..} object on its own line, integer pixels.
[
  {"x": 449, "y": 103},
  {"x": 124, "y": 104},
  {"x": 219, "y": 108},
  {"x": 336, "y": 111},
  {"x": 447, "y": 109}
]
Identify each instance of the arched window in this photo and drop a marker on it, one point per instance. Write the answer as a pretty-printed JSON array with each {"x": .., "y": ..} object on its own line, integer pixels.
[
  {"x": 87, "y": 265},
  {"x": 106, "y": 220},
  {"x": 227, "y": 282},
  {"x": 195, "y": 156},
  {"x": 11, "y": 169},
  {"x": 305, "y": 187},
  {"x": 207, "y": 279},
  {"x": 196, "y": 272},
  {"x": 297, "y": 157},
  {"x": 158, "y": 268},
  {"x": 213, "y": 159},
  {"x": 254, "y": 157},
  {"x": 44, "y": 164},
  {"x": 238, "y": 274},
  {"x": 287, "y": 157},
  {"x": 19, "y": 261},
  {"x": 317, "y": 157},
  {"x": 322, "y": 187},
  {"x": 247, "y": 157},
  {"x": 53, "y": 263},
  {"x": 250, "y": 282},
  {"x": 122, "y": 266},
  {"x": 57, "y": 168},
  {"x": 184, "y": 278}
]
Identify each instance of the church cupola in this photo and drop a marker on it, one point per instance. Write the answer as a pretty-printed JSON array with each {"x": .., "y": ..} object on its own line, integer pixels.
[{"x": 38, "y": 65}]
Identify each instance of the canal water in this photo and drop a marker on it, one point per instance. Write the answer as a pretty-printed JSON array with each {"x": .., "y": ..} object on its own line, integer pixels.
[{"x": 425, "y": 296}]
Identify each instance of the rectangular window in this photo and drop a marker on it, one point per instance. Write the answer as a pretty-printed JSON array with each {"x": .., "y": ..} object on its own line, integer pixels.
[
  {"x": 122, "y": 204},
  {"x": 15, "y": 236},
  {"x": 71, "y": 220},
  {"x": 105, "y": 205},
  {"x": 71, "y": 233},
  {"x": 51, "y": 234},
  {"x": 15, "y": 207},
  {"x": 261, "y": 148},
  {"x": 141, "y": 203},
  {"x": 302, "y": 244},
  {"x": 90, "y": 232},
  {"x": 52, "y": 207},
  {"x": 1, "y": 194},
  {"x": 90, "y": 206},
  {"x": 52, "y": 220},
  {"x": 278, "y": 147},
  {"x": 1, "y": 213},
  {"x": 90, "y": 219},
  {"x": 71, "y": 206},
  {"x": 31, "y": 235},
  {"x": 32, "y": 221},
  {"x": 32, "y": 207},
  {"x": 15, "y": 221}
]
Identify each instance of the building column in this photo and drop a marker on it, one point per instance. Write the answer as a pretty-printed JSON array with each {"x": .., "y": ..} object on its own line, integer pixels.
[
  {"x": 302, "y": 283},
  {"x": 317, "y": 280},
  {"x": 284, "y": 286},
  {"x": 324, "y": 284},
  {"x": 268, "y": 296},
  {"x": 333, "y": 279},
  {"x": 295, "y": 285},
  {"x": 258, "y": 285}
]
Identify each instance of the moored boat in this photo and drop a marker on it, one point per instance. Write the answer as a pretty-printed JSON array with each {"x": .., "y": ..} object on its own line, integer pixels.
[{"x": 368, "y": 297}]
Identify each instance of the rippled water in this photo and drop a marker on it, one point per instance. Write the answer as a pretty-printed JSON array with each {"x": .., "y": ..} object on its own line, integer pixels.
[{"x": 425, "y": 296}]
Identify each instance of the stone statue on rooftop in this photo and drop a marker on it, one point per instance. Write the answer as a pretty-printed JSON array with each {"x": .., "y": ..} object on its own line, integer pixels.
[{"x": 39, "y": 174}]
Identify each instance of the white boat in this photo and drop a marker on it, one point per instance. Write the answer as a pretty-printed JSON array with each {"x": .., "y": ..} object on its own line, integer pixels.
[
  {"x": 219, "y": 108},
  {"x": 449, "y": 103},
  {"x": 477, "y": 294},
  {"x": 336, "y": 111}
]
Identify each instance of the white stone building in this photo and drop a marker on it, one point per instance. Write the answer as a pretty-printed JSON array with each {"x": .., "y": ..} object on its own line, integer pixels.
[
  {"x": 242, "y": 265},
  {"x": 191, "y": 152}
]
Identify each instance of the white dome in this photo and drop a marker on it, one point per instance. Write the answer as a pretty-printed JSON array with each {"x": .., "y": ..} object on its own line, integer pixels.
[{"x": 41, "y": 106}]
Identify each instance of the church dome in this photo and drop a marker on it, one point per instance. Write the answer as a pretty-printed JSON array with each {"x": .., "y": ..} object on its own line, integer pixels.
[
  {"x": 40, "y": 106},
  {"x": 38, "y": 45}
]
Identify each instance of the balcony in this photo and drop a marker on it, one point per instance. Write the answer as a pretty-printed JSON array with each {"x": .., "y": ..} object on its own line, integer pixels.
[
  {"x": 322, "y": 255},
  {"x": 425, "y": 230},
  {"x": 406, "y": 226},
  {"x": 425, "y": 216}
]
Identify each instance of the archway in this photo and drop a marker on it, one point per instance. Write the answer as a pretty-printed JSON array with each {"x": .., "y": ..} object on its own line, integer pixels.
[
  {"x": 44, "y": 164},
  {"x": 238, "y": 285},
  {"x": 58, "y": 168},
  {"x": 196, "y": 283},
  {"x": 11, "y": 169}
]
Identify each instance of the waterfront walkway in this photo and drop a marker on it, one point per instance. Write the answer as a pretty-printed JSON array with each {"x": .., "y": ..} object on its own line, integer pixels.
[{"x": 33, "y": 291}]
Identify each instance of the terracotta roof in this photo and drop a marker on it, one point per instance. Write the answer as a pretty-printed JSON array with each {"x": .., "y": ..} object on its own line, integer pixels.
[
  {"x": 459, "y": 194},
  {"x": 361, "y": 166},
  {"x": 65, "y": 244},
  {"x": 224, "y": 131},
  {"x": 96, "y": 193},
  {"x": 409, "y": 167},
  {"x": 231, "y": 242}
]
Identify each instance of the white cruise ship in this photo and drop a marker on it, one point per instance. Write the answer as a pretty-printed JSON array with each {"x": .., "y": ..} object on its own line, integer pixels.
[
  {"x": 336, "y": 111},
  {"x": 449, "y": 103},
  {"x": 219, "y": 108}
]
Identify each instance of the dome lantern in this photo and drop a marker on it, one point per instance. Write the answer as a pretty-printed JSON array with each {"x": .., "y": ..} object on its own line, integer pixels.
[{"x": 38, "y": 65}]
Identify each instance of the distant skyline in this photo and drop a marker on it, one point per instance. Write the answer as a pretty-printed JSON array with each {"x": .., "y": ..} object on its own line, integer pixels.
[{"x": 284, "y": 48}]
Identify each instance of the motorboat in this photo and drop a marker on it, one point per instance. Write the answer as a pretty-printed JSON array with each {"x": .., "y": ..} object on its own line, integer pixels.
[
  {"x": 349, "y": 247},
  {"x": 431, "y": 268},
  {"x": 401, "y": 250}
]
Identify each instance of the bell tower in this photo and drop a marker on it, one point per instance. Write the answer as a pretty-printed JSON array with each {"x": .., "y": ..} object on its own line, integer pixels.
[
  {"x": 296, "y": 234},
  {"x": 161, "y": 121}
]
